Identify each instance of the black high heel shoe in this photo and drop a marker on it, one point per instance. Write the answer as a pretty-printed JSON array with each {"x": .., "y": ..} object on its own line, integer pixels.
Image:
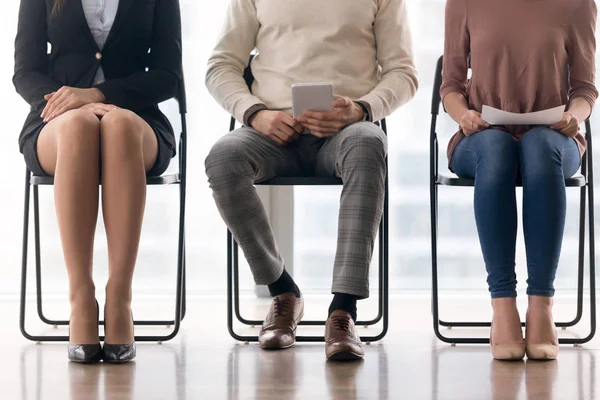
[
  {"x": 86, "y": 353},
  {"x": 119, "y": 353}
]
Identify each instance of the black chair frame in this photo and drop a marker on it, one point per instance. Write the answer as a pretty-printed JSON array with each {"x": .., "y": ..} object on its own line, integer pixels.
[
  {"x": 233, "y": 295},
  {"x": 179, "y": 179},
  {"x": 585, "y": 182}
]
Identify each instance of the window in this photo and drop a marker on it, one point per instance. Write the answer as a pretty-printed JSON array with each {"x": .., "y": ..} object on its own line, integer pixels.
[{"x": 461, "y": 264}]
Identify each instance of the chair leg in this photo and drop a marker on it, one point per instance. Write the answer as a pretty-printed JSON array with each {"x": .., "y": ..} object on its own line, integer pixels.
[
  {"x": 233, "y": 300},
  {"x": 580, "y": 286},
  {"x": 180, "y": 306},
  {"x": 38, "y": 260},
  {"x": 184, "y": 296},
  {"x": 23, "y": 305}
]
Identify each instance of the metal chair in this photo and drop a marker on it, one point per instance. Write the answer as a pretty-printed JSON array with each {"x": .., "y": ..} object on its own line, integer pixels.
[
  {"x": 585, "y": 182},
  {"x": 233, "y": 296},
  {"x": 174, "y": 179}
]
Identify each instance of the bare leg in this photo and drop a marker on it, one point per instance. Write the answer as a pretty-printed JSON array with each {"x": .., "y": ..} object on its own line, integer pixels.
[
  {"x": 129, "y": 149},
  {"x": 68, "y": 148}
]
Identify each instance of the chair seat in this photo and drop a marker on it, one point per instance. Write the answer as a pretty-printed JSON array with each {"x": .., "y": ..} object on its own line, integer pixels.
[
  {"x": 302, "y": 181},
  {"x": 151, "y": 180},
  {"x": 453, "y": 180}
]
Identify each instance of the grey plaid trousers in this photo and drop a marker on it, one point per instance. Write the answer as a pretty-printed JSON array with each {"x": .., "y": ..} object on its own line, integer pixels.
[{"x": 356, "y": 155}]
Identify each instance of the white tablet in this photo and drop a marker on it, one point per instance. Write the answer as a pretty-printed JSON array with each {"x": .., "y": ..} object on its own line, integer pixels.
[{"x": 312, "y": 97}]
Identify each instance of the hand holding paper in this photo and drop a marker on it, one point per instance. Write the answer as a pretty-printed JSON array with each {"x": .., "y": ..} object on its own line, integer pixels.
[
  {"x": 545, "y": 117},
  {"x": 568, "y": 125},
  {"x": 471, "y": 122}
]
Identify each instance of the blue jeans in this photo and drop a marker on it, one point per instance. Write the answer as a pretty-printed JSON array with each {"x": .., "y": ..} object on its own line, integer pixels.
[{"x": 543, "y": 158}]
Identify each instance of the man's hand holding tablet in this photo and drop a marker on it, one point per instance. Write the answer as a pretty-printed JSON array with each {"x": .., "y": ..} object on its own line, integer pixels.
[
  {"x": 315, "y": 109},
  {"x": 326, "y": 124},
  {"x": 277, "y": 126},
  {"x": 322, "y": 113}
]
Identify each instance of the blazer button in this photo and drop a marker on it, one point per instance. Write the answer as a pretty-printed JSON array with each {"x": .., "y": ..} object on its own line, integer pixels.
[{"x": 98, "y": 56}]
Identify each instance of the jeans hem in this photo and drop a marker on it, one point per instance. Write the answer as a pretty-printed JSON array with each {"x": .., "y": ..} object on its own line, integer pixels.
[
  {"x": 504, "y": 294},
  {"x": 542, "y": 293}
]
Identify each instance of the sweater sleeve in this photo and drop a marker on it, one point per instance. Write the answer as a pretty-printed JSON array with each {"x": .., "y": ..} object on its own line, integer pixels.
[
  {"x": 457, "y": 45},
  {"x": 398, "y": 82},
  {"x": 224, "y": 76},
  {"x": 581, "y": 48},
  {"x": 31, "y": 78},
  {"x": 161, "y": 82}
]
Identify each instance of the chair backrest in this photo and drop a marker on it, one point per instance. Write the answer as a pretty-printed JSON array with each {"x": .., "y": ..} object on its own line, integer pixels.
[
  {"x": 248, "y": 76},
  {"x": 181, "y": 96},
  {"x": 437, "y": 84},
  {"x": 182, "y": 101}
]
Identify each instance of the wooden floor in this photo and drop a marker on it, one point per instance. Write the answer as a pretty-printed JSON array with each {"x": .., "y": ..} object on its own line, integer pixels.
[{"x": 203, "y": 362}]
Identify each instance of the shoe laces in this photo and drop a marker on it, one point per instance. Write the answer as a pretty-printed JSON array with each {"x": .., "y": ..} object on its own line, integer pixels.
[
  {"x": 341, "y": 323},
  {"x": 281, "y": 306}
]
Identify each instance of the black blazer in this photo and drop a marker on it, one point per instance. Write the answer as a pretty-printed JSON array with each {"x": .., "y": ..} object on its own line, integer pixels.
[{"x": 141, "y": 58}]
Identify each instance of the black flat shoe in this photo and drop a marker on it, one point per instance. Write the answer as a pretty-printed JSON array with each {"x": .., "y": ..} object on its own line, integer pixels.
[
  {"x": 86, "y": 353},
  {"x": 119, "y": 353}
]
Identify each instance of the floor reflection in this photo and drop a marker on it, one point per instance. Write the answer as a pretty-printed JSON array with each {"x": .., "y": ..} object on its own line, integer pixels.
[
  {"x": 303, "y": 370},
  {"x": 42, "y": 375},
  {"x": 201, "y": 369},
  {"x": 525, "y": 379}
]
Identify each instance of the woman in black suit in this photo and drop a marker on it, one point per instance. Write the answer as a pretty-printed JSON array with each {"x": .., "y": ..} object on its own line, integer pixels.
[{"x": 94, "y": 120}]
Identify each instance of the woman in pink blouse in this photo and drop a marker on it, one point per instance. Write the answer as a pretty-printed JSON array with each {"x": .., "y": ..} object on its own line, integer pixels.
[{"x": 524, "y": 56}]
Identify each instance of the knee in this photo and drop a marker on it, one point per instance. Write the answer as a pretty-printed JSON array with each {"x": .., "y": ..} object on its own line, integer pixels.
[
  {"x": 497, "y": 155},
  {"x": 364, "y": 143},
  {"x": 121, "y": 134},
  {"x": 225, "y": 157},
  {"x": 539, "y": 150},
  {"x": 78, "y": 134}
]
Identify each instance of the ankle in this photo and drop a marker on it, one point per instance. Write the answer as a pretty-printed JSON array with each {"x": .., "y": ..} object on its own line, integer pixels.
[
  {"x": 118, "y": 294},
  {"x": 344, "y": 302},
  {"x": 504, "y": 305},
  {"x": 82, "y": 295},
  {"x": 540, "y": 303},
  {"x": 285, "y": 284}
]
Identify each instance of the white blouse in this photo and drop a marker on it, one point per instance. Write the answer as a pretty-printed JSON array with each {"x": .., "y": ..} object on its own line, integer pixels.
[{"x": 100, "y": 16}]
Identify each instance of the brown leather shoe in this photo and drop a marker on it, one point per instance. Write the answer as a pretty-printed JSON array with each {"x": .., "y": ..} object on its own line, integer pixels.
[
  {"x": 342, "y": 342},
  {"x": 279, "y": 329}
]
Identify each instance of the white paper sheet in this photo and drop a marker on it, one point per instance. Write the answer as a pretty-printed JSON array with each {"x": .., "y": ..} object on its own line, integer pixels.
[{"x": 493, "y": 116}]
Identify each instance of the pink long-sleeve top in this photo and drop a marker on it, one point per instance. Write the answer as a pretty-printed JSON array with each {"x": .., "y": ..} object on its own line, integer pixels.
[{"x": 525, "y": 56}]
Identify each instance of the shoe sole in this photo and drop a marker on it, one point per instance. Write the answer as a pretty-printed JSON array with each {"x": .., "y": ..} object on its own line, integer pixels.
[
  {"x": 118, "y": 361},
  {"x": 94, "y": 360},
  {"x": 345, "y": 356},
  {"x": 275, "y": 348}
]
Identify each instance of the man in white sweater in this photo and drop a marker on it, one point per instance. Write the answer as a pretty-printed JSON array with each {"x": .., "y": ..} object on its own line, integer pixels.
[{"x": 363, "y": 48}]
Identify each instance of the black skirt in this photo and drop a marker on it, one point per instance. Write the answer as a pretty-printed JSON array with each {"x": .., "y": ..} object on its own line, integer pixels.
[{"x": 163, "y": 158}]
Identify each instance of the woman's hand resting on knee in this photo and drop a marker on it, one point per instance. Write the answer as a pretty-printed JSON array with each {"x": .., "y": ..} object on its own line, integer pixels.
[
  {"x": 69, "y": 98},
  {"x": 100, "y": 109}
]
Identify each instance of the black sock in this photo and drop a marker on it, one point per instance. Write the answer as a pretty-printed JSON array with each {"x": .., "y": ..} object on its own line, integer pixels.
[
  {"x": 285, "y": 284},
  {"x": 345, "y": 302}
]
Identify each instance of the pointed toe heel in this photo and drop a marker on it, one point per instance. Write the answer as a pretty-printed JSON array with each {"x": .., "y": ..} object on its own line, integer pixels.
[
  {"x": 508, "y": 352},
  {"x": 86, "y": 353},
  {"x": 119, "y": 353},
  {"x": 542, "y": 351}
]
